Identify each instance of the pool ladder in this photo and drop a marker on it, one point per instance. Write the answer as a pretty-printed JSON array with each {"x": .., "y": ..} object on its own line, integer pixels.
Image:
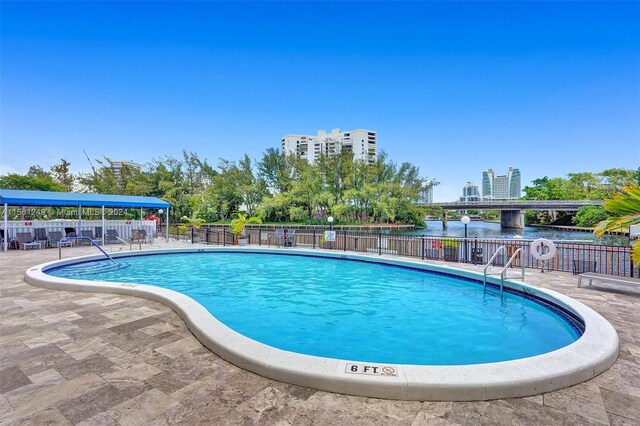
[{"x": 504, "y": 269}]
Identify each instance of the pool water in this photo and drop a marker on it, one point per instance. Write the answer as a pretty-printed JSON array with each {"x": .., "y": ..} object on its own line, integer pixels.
[{"x": 348, "y": 309}]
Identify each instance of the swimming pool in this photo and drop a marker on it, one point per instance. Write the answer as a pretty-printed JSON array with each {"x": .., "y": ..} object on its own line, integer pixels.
[
  {"x": 309, "y": 317},
  {"x": 346, "y": 309}
]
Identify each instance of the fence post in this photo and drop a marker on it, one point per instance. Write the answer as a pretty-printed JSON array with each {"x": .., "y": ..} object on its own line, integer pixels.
[
  {"x": 344, "y": 234},
  {"x": 224, "y": 238},
  {"x": 474, "y": 255},
  {"x": 260, "y": 236},
  {"x": 208, "y": 233},
  {"x": 192, "y": 234},
  {"x": 314, "y": 238},
  {"x": 422, "y": 246},
  {"x": 379, "y": 243}
]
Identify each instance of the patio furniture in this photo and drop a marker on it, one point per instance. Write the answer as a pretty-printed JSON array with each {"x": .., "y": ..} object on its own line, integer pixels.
[
  {"x": 111, "y": 237},
  {"x": 581, "y": 266},
  {"x": 290, "y": 237},
  {"x": 89, "y": 234},
  {"x": 279, "y": 237},
  {"x": 616, "y": 279},
  {"x": 25, "y": 240},
  {"x": 56, "y": 238},
  {"x": 139, "y": 236},
  {"x": 40, "y": 234},
  {"x": 70, "y": 232}
]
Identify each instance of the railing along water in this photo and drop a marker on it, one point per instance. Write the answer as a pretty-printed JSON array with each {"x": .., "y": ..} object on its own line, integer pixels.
[{"x": 572, "y": 255}]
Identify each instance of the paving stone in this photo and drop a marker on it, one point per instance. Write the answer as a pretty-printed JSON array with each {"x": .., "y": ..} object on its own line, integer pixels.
[
  {"x": 49, "y": 416},
  {"x": 100, "y": 419},
  {"x": 55, "y": 394},
  {"x": 180, "y": 347},
  {"x": 140, "y": 371},
  {"x": 583, "y": 399},
  {"x": 96, "y": 355},
  {"x": 47, "y": 376},
  {"x": 91, "y": 403},
  {"x": 138, "y": 410},
  {"x": 159, "y": 328},
  {"x": 615, "y": 420},
  {"x": 437, "y": 408},
  {"x": 424, "y": 418},
  {"x": 7, "y": 413},
  {"x": 134, "y": 325},
  {"x": 621, "y": 405},
  {"x": 165, "y": 382},
  {"x": 97, "y": 364},
  {"x": 12, "y": 378}
]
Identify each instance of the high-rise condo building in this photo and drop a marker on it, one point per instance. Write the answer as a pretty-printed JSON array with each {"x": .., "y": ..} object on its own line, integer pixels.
[
  {"x": 117, "y": 166},
  {"x": 362, "y": 143},
  {"x": 505, "y": 187},
  {"x": 470, "y": 192},
  {"x": 426, "y": 192}
]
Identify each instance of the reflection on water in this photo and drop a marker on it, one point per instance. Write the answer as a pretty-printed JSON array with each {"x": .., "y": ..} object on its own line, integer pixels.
[{"x": 492, "y": 230}]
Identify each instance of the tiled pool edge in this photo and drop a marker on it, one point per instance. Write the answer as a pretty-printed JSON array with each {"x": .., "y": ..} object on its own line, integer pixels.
[{"x": 592, "y": 354}]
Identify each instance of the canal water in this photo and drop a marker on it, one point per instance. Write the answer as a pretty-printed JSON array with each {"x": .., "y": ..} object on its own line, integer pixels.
[{"x": 477, "y": 229}]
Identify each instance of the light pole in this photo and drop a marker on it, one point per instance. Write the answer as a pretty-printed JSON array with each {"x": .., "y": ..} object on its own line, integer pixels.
[
  {"x": 330, "y": 220},
  {"x": 465, "y": 220}
]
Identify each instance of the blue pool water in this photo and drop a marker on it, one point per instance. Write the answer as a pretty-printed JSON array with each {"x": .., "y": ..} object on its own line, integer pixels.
[{"x": 350, "y": 310}]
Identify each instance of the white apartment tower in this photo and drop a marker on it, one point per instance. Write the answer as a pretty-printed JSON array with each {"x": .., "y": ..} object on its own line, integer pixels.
[
  {"x": 506, "y": 187},
  {"x": 362, "y": 143}
]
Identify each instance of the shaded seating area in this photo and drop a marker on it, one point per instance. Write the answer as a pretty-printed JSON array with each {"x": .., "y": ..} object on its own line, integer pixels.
[{"x": 40, "y": 199}]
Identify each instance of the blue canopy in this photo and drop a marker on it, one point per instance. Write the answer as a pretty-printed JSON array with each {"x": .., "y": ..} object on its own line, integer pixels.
[{"x": 71, "y": 199}]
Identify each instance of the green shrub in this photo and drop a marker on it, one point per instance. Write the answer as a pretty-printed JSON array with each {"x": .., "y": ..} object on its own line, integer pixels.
[{"x": 589, "y": 216}]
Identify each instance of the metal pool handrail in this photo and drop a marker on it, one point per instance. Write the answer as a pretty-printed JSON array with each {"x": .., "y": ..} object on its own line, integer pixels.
[
  {"x": 513, "y": 257},
  {"x": 92, "y": 242},
  {"x": 489, "y": 263}
]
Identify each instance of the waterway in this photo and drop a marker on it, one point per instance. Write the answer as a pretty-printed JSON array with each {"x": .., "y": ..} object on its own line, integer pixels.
[{"x": 477, "y": 229}]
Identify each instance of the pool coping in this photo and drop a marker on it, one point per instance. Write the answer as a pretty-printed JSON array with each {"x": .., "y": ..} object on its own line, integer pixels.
[{"x": 582, "y": 360}]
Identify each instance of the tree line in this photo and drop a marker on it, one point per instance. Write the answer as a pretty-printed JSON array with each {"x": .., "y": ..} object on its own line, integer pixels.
[
  {"x": 579, "y": 186},
  {"x": 276, "y": 188}
]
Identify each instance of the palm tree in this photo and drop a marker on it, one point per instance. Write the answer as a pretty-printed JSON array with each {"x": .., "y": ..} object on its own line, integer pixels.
[
  {"x": 625, "y": 205},
  {"x": 194, "y": 221}
]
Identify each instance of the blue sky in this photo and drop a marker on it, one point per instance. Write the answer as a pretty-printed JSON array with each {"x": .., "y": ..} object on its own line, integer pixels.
[{"x": 454, "y": 88}]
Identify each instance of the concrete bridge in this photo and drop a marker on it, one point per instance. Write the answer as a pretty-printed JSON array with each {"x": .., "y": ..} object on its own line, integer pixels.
[{"x": 512, "y": 211}]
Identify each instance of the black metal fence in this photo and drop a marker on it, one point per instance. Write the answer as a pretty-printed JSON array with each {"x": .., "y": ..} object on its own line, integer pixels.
[{"x": 572, "y": 257}]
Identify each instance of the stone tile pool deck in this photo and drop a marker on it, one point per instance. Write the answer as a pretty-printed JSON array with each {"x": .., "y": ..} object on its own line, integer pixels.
[{"x": 88, "y": 358}]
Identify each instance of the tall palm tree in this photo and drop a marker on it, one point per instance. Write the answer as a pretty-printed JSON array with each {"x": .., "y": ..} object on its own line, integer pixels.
[{"x": 625, "y": 205}]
